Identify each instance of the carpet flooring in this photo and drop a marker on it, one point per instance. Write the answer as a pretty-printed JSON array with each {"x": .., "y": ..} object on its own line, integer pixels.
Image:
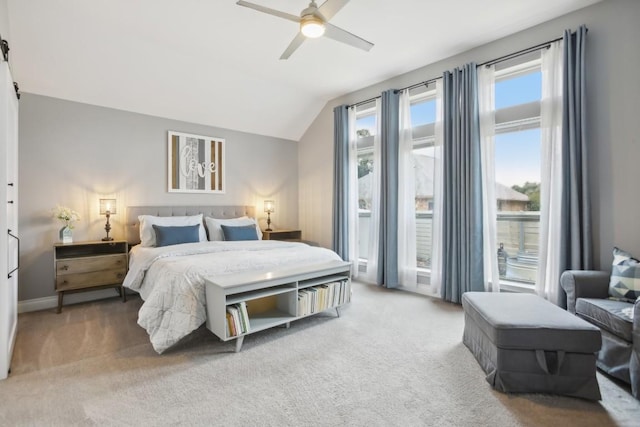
[{"x": 391, "y": 359}]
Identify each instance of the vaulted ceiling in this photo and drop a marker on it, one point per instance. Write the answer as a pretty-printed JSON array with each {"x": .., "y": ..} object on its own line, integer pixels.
[{"x": 215, "y": 63}]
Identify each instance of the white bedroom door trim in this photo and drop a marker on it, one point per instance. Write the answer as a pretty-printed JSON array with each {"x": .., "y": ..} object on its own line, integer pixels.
[{"x": 8, "y": 218}]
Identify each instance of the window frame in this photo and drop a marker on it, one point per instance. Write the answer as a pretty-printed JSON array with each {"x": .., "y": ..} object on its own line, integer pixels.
[
  {"x": 518, "y": 118},
  {"x": 423, "y": 136}
]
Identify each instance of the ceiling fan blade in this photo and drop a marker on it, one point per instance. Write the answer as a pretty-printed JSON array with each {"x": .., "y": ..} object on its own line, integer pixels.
[
  {"x": 270, "y": 11},
  {"x": 331, "y": 7},
  {"x": 295, "y": 43},
  {"x": 340, "y": 35}
]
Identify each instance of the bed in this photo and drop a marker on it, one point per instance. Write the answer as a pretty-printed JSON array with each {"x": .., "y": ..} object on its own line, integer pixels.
[{"x": 170, "y": 279}]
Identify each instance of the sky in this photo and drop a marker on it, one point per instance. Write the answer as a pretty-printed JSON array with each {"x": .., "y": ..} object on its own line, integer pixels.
[{"x": 517, "y": 154}]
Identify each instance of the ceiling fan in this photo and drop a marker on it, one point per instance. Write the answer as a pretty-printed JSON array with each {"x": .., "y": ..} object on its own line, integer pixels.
[{"x": 314, "y": 22}]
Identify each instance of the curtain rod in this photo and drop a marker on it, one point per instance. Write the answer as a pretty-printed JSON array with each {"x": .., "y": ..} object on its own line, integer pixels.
[
  {"x": 424, "y": 83},
  {"x": 487, "y": 63},
  {"x": 519, "y": 53},
  {"x": 363, "y": 102},
  {"x": 522, "y": 52}
]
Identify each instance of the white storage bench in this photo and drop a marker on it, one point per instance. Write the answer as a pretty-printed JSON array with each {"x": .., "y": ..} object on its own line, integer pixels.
[
  {"x": 526, "y": 344},
  {"x": 241, "y": 304}
]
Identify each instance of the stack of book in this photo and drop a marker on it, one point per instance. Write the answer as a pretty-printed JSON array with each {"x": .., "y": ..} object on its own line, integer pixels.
[
  {"x": 319, "y": 298},
  {"x": 237, "y": 319}
]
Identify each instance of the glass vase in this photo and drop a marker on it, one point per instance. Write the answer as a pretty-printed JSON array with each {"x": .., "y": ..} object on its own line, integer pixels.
[{"x": 66, "y": 236}]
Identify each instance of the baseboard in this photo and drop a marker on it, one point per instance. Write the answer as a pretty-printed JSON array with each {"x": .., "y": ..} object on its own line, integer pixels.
[{"x": 47, "y": 303}]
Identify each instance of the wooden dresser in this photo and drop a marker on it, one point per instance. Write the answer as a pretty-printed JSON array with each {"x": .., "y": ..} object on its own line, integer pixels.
[{"x": 87, "y": 266}]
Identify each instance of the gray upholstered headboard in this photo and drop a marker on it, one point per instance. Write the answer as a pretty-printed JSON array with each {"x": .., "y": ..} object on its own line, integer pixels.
[{"x": 132, "y": 226}]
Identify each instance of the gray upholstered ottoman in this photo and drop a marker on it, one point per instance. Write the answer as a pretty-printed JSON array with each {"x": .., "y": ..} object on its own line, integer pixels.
[{"x": 526, "y": 344}]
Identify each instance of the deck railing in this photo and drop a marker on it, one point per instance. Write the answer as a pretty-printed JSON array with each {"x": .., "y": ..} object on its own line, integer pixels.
[{"x": 517, "y": 231}]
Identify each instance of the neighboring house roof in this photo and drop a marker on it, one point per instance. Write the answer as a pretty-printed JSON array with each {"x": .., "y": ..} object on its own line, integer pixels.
[
  {"x": 424, "y": 183},
  {"x": 507, "y": 193}
]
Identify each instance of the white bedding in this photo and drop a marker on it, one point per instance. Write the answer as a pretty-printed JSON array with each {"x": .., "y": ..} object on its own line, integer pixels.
[{"x": 170, "y": 279}]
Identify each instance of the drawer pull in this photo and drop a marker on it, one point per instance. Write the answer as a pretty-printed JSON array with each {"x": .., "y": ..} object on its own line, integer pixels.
[
  {"x": 119, "y": 275},
  {"x": 64, "y": 267},
  {"x": 64, "y": 282}
]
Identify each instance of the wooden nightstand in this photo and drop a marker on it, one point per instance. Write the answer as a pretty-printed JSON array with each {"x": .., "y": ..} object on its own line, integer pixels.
[
  {"x": 87, "y": 266},
  {"x": 291, "y": 235}
]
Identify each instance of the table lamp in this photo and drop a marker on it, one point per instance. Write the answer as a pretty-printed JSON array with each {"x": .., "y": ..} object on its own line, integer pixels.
[
  {"x": 269, "y": 207},
  {"x": 108, "y": 208}
]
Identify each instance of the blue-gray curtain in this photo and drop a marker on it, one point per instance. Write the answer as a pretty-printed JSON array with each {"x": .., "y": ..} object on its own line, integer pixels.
[
  {"x": 462, "y": 260},
  {"x": 576, "y": 237},
  {"x": 341, "y": 181},
  {"x": 387, "y": 274}
]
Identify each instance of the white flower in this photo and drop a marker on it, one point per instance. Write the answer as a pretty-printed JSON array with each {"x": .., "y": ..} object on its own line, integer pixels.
[{"x": 67, "y": 215}]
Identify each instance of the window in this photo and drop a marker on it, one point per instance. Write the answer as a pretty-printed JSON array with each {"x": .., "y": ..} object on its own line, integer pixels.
[
  {"x": 423, "y": 118},
  {"x": 518, "y": 91},
  {"x": 366, "y": 129}
]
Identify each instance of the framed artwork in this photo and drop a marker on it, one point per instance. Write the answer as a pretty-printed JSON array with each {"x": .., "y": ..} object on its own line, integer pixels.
[{"x": 196, "y": 163}]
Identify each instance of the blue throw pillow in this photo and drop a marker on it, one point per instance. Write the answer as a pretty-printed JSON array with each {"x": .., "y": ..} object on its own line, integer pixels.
[
  {"x": 242, "y": 232},
  {"x": 174, "y": 235}
]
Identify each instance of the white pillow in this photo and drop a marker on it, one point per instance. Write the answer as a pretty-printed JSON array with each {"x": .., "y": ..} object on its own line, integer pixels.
[
  {"x": 215, "y": 231},
  {"x": 148, "y": 235}
]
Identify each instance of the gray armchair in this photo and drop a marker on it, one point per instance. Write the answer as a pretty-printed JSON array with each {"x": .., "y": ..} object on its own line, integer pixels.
[{"x": 619, "y": 322}]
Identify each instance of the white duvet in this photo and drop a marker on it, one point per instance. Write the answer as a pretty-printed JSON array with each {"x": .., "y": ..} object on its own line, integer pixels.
[{"x": 170, "y": 279}]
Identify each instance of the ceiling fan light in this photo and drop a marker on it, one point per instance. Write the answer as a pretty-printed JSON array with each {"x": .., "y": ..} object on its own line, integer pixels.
[{"x": 312, "y": 26}]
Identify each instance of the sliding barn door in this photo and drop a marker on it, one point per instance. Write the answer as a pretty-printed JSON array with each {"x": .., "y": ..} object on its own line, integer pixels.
[{"x": 9, "y": 243}]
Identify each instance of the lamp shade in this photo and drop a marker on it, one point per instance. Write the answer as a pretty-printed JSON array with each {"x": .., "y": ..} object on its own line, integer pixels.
[
  {"x": 108, "y": 205},
  {"x": 269, "y": 206}
]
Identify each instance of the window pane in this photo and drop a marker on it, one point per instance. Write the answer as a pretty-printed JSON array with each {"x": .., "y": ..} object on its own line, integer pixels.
[
  {"x": 365, "y": 181},
  {"x": 366, "y": 125},
  {"x": 518, "y": 157},
  {"x": 424, "y": 167},
  {"x": 519, "y": 90},
  {"x": 423, "y": 116},
  {"x": 517, "y": 164},
  {"x": 423, "y": 112}
]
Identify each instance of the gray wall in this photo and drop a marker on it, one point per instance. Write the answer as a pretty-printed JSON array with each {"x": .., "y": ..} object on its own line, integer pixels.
[
  {"x": 72, "y": 153},
  {"x": 613, "y": 61}
]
